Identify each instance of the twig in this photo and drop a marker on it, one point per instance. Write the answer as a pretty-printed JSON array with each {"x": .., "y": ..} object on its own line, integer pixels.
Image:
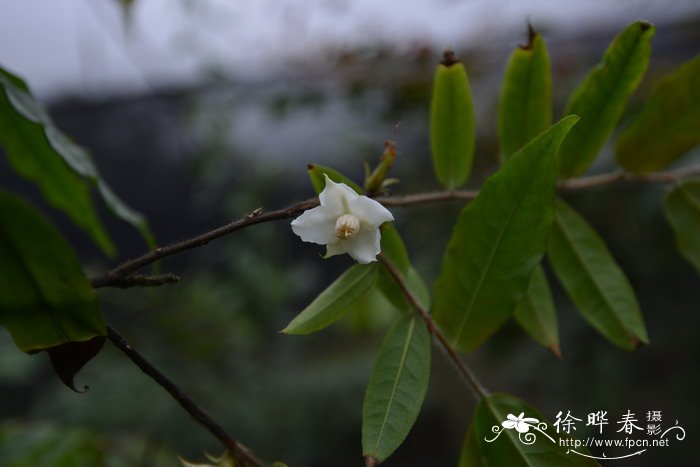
[
  {"x": 258, "y": 216},
  {"x": 440, "y": 338},
  {"x": 134, "y": 280},
  {"x": 236, "y": 449}
]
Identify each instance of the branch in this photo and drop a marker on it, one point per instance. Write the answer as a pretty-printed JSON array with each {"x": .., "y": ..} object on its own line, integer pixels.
[
  {"x": 134, "y": 280},
  {"x": 440, "y": 338},
  {"x": 236, "y": 449},
  {"x": 259, "y": 216}
]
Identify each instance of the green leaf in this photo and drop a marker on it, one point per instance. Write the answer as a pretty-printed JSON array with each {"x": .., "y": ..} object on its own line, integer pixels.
[
  {"x": 452, "y": 123},
  {"x": 46, "y": 302},
  {"x": 594, "y": 281},
  {"x": 683, "y": 213},
  {"x": 471, "y": 454},
  {"x": 318, "y": 181},
  {"x": 339, "y": 298},
  {"x": 394, "y": 250},
  {"x": 498, "y": 240},
  {"x": 45, "y": 298},
  {"x": 64, "y": 171},
  {"x": 526, "y": 96},
  {"x": 506, "y": 446},
  {"x": 668, "y": 126},
  {"x": 536, "y": 313},
  {"x": 396, "y": 388},
  {"x": 600, "y": 99}
]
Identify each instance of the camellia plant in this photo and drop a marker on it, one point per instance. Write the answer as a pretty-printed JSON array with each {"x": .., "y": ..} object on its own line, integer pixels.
[{"x": 491, "y": 268}]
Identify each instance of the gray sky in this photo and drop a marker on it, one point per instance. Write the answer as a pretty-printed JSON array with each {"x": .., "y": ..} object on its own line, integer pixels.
[{"x": 83, "y": 47}]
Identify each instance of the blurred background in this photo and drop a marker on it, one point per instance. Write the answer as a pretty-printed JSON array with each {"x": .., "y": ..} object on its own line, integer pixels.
[{"x": 198, "y": 112}]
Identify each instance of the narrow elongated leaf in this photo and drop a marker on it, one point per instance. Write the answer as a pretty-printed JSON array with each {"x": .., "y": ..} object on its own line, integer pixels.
[
  {"x": 526, "y": 97},
  {"x": 683, "y": 213},
  {"x": 452, "y": 123},
  {"x": 498, "y": 239},
  {"x": 594, "y": 281},
  {"x": 668, "y": 126},
  {"x": 64, "y": 171},
  {"x": 318, "y": 181},
  {"x": 539, "y": 446},
  {"x": 45, "y": 298},
  {"x": 396, "y": 388},
  {"x": 536, "y": 314},
  {"x": 600, "y": 99},
  {"x": 339, "y": 298}
]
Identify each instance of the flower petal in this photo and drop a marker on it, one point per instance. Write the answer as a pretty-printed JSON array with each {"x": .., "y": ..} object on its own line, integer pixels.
[
  {"x": 508, "y": 424},
  {"x": 510, "y": 416},
  {"x": 316, "y": 225},
  {"x": 336, "y": 248},
  {"x": 363, "y": 247},
  {"x": 531, "y": 420},
  {"x": 370, "y": 212},
  {"x": 336, "y": 197}
]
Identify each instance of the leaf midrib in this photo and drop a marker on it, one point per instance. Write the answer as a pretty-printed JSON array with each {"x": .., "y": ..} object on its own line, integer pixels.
[
  {"x": 589, "y": 273},
  {"x": 404, "y": 353}
]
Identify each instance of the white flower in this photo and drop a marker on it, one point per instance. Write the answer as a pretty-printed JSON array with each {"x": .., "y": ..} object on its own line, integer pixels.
[
  {"x": 345, "y": 222},
  {"x": 522, "y": 425}
]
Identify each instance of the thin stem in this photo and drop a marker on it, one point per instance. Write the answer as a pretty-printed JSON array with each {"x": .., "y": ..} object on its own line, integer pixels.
[
  {"x": 258, "y": 216},
  {"x": 236, "y": 449},
  {"x": 434, "y": 330},
  {"x": 134, "y": 280}
]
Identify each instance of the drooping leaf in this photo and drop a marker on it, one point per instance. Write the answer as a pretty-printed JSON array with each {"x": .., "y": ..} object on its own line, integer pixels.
[
  {"x": 498, "y": 239},
  {"x": 339, "y": 298},
  {"x": 452, "y": 123},
  {"x": 668, "y": 126},
  {"x": 526, "y": 97},
  {"x": 46, "y": 301},
  {"x": 318, "y": 181},
  {"x": 683, "y": 213},
  {"x": 536, "y": 313},
  {"x": 396, "y": 388},
  {"x": 69, "y": 358},
  {"x": 64, "y": 171},
  {"x": 594, "y": 281},
  {"x": 539, "y": 446},
  {"x": 600, "y": 99}
]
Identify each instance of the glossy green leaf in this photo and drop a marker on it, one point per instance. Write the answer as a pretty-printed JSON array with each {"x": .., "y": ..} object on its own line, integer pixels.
[
  {"x": 452, "y": 123},
  {"x": 498, "y": 240},
  {"x": 600, "y": 99},
  {"x": 536, "y": 313},
  {"x": 668, "y": 126},
  {"x": 683, "y": 213},
  {"x": 318, "y": 181},
  {"x": 526, "y": 97},
  {"x": 334, "y": 302},
  {"x": 396, "y": 388},
  {"x": 45, "y": 298},
  {"x": 594, "y": 281},
  {"x": 64, "y": 171},
  {"x": 538, "y": 447}
]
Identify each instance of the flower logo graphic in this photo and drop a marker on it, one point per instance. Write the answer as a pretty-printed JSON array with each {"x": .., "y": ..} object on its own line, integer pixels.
[{"x": 521, "y": 424}]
